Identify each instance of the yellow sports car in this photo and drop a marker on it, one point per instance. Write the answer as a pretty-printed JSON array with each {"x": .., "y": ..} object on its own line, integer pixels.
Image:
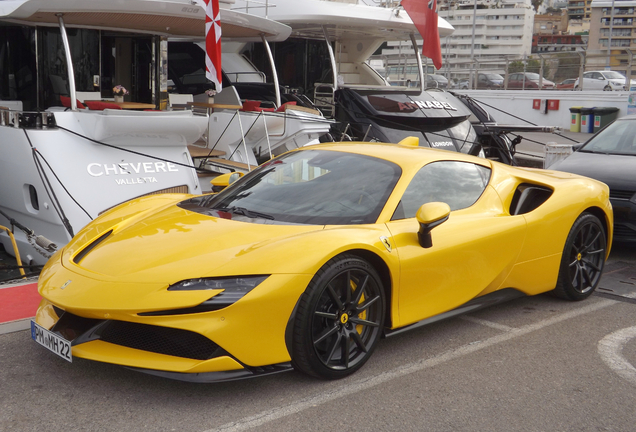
[{"x": 309, "y": 260}]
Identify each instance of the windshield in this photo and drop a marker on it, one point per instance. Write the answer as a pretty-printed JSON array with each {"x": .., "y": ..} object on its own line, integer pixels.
[
  {"x": 617, "y": 138},
  {"x": 318, "y": 187},
  {"x": 495, "y": 77},
  {"x": 532, "y": 76},
  {"x": 613, "y": 75}
]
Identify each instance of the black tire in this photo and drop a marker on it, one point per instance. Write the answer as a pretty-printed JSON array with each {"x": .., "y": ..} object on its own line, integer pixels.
[
  {"x": 339, "y": 320},
  {"x": 607, "y": 88},
  {"x": 583, "y": 259}
]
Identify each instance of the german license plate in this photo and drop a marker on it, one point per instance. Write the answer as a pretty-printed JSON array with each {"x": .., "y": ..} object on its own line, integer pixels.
[{"x": 51, "y": 341}]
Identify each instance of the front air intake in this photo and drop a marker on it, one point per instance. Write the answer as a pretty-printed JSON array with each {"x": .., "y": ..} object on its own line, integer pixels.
[{"x": 160, "y": 340}]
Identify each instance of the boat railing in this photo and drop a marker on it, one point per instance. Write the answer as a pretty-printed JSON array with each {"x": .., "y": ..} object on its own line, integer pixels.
[
  {"x": 324, "y": 98},
  {"x": 389, "y": 4},
  {"x": 256, "y": 4}
]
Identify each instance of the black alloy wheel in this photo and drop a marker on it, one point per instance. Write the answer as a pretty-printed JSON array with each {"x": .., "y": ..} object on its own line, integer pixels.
[
  {"x": 339, "y": 320},
  {"x": 583, "y": 259}
]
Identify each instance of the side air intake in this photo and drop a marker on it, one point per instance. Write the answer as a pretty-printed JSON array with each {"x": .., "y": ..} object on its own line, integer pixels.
[{"x": 528, "y": 197}]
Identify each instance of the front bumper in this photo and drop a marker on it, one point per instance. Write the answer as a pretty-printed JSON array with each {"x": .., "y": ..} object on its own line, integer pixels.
[{"x": 241, "y": 340}]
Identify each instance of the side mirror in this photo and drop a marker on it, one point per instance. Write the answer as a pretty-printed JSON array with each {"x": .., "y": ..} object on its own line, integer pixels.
[
  {"x": 429, "y": 216},
  {"x": 224, "y": 180}
]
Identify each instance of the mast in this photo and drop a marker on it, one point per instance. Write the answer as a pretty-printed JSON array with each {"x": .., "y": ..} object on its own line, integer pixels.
[
  {"x": 274, "y": 71},
  {"x": 332, "y": 57}
]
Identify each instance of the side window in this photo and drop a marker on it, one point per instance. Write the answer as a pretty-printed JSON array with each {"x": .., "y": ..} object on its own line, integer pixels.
[
  {"x": 587, "y": 75},
  {"x": 459, "y": 184}
]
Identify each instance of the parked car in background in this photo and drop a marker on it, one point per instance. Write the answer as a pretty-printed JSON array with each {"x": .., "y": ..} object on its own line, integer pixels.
[
  {"x": 436, "y": 81},
  {"x": 566, "y": 84},
  {"x": 490, "y": 81},
  {"x": 529, "y": 80},
  {"x": 604, "y": 80},
  {"x": 464, "y": 84},
  {"x": 610, "y": 156}
]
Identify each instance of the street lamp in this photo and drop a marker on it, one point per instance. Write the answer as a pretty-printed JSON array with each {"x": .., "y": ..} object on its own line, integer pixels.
[{"x": 609, "y": 41}]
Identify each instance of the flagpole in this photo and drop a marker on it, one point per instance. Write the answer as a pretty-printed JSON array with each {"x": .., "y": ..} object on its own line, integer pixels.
[
  {"x": 472, "y": 50},
  {"x": 419, "y": 61}
]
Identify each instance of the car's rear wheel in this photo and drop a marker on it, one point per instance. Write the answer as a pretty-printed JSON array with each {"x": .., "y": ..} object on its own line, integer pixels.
[
  {"x": 339, "y": 319},
  {"x": 583, "y": 259},
  {"x": 607, "y": 88}
]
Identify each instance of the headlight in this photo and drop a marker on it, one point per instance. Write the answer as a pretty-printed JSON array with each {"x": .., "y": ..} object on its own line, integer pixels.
[
  {"x": 237, "y": 283},
  {"x": 235, "y": 288}
]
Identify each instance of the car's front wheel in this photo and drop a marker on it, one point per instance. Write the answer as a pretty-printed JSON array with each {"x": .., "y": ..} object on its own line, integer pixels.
[
  {"x": 339, "y": 319},
  {"x": 583, "y": 259}
]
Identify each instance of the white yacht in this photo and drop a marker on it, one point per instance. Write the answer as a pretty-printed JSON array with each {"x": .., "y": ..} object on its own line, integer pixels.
[
  {"x": 62, "y": 164},
  {"x": 327, "y": 59},
  {"x": 270, "y": 119}
]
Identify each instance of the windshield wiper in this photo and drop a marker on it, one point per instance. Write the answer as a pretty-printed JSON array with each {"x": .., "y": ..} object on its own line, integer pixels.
[{"x": 245, "y": 212}]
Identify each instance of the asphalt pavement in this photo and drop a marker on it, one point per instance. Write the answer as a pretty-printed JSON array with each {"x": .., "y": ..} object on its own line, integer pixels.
[{"x": 532, "y": 364}]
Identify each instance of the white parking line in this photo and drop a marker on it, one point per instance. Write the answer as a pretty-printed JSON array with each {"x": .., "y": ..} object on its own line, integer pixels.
[
  {"x": 364, "y": 384},
  {"x": 487, "y": 323},
  {"x": 610, "y": 349}
]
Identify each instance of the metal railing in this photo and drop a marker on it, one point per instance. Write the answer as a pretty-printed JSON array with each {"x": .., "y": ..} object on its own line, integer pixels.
[{"x": 555, "y": 66}]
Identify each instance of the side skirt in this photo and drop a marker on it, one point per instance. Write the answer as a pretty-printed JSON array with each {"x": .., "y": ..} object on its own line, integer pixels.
[
  {"x": 475, "y": 304},
  {"x": 210, "y": 377}
]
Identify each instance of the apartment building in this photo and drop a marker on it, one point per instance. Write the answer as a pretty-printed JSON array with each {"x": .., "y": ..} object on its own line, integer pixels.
[
  {"x": 623, "y": 34},
  {"x": 579, "y": 14},
  {"x": 551, "y": 23}
]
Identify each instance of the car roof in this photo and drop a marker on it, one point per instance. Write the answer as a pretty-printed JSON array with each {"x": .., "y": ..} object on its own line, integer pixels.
[{"x": 403, "y": 155}]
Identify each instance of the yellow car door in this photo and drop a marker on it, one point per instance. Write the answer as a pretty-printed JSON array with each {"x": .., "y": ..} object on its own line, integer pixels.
[{"x": 471, "y": 252}]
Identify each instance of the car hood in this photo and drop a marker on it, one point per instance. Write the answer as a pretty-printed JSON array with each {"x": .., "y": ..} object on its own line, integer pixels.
[
  {"x": 129, "y": 265},
  {"x": 618, "y": 172},
  {"x": 173, "y": 244}
]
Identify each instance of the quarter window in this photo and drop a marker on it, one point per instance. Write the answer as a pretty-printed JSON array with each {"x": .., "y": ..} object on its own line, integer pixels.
[{"x": 459, "y": 184}]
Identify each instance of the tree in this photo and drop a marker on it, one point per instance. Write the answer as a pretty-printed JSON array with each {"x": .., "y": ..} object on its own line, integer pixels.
[{"x": 536, "y": 4}]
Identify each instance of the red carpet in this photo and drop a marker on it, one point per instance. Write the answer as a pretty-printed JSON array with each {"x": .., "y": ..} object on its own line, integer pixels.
[{"x": 19, "y": 302}]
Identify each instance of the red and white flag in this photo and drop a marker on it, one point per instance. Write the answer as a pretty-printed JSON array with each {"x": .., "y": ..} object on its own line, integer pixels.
[
  {"x": 213, "y": 43},
  {"x": 424, "y": 16}
]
